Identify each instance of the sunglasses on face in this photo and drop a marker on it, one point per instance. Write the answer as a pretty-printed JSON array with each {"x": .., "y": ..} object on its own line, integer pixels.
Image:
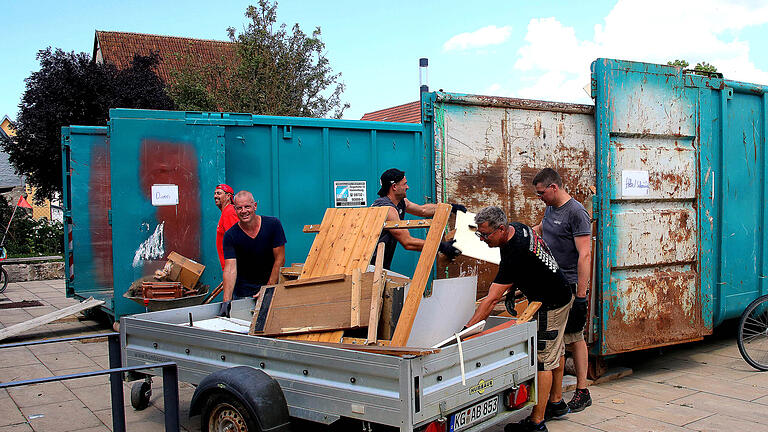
[
  {"x": 484, "y": 236},
  {"x": 540, "y": 193}
]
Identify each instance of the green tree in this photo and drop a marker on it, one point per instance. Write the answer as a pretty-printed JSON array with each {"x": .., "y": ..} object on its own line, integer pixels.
[
  {"x": 703, "y": 67},
  {"x": 272, "y": 71},
  {"x": 70, "y": 89},
  {"x": 27, "y": 236}
]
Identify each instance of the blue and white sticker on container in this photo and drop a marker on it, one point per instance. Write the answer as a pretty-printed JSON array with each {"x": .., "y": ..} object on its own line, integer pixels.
[
  {"x": 349, "y": 193},
  {"x": 634, "y": 183}
]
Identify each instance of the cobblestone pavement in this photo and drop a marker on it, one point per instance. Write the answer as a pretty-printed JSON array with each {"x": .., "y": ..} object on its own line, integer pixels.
[{"x": 702, "y": 386}]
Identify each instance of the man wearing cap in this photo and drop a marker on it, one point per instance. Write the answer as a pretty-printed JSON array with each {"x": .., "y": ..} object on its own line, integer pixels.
[
  {"x": 223, "y": 197},
  {"x": 394, "y": 186}
]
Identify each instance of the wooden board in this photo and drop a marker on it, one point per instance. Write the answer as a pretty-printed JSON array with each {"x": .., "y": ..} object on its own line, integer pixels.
[
  {"x": 346, "y": 241},
  {"x": 411, "y": 223},
  {"x": 20, "y": 328},
  {"x": 387, "y": 350},
  {"x": 312, "y": 308},
  {"x": 331, "y": 336},
  {"x": 421, "y": 275}
]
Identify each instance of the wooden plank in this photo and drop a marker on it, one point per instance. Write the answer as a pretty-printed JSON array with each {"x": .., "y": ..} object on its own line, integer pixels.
[
  {"x": 317, "y": 245},
  {"x": 20, "y": 328},
  {"x": 529, "y": 312},
  {"x": 421, "y": 275},
  {"x": 386, "y": 350},
  {"x": 333, "y": 336},
  {"x": 364, "y": 341},
  {"x": 378, "y": 290},
  {"x": 324, "y": 306},
  {"x": 314, "y": 280},
  {"x": 368, "y": 240},
  {"x": 350, "y": 231},
  {"x": 261, "y": 311},
  {"x": 357, "y": 293},
  {"x": 406, "y": 224},
  {"x": 326, "y": 249}
]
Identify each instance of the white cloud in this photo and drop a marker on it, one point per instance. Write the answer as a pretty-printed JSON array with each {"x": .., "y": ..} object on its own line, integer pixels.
[
  {"x": 557, "y": 62},
  {"x": 486, "y": 36}
]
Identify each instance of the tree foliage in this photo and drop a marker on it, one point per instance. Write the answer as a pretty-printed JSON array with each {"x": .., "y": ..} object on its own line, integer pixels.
[
  {"x": 27, "y": 236},
  {"x": 273, "y": 71},
  {"x": 71, "y": 89},
  {"x": 703, "y": 67}
]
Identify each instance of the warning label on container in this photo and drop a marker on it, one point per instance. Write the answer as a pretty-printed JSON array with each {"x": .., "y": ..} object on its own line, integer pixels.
[{"x": 349, "y": 193}]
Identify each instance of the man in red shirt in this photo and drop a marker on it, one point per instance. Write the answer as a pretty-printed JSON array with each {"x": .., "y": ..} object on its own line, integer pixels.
[{"x": 222, "y": 196}]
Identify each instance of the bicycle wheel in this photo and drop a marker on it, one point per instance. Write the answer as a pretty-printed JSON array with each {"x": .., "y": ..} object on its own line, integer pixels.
[
  {"x": 753, "y": 334},
  {"x": 3, "y": 279}
]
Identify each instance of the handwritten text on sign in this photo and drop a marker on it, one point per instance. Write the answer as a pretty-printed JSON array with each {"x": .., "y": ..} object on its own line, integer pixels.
[
  {"x": 165, "y": 194},
  {"x": 634, "y": 183}
]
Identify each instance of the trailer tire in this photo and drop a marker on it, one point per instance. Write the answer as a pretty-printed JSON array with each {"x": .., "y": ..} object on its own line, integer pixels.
[
  {"x": 140, "y": 394},
  {"x": 224, "y": 412},
  {"x": 241, "y": 396}
]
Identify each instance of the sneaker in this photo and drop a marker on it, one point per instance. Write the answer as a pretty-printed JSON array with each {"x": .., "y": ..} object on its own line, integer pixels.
[
  {"x": 580, "y": 400},
  {"x": 526, "y": 426},
  {"x": 555, "y": 410}
]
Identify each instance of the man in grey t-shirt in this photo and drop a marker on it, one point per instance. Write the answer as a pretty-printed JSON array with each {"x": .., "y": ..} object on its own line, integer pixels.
[{"x": 567, "y": 229}]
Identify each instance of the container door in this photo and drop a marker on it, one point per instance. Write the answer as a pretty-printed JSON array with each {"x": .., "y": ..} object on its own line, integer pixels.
[
  {"x": 648, "y": 183},
  {"x": 86, "y": 197},
  {"x": 162, "y": 195}
]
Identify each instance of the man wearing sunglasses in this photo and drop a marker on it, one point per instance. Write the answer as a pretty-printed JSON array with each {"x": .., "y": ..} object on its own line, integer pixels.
[
  {"x": 392, "y": 194},
  {"x": 567, "y": 229},
  {"x": 527, "y": 264}
]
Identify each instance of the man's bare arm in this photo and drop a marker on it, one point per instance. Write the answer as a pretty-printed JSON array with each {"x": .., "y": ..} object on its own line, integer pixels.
[
  {"x": 230, "y": 275},
  {"x": 584, "y": 264},
  {"x": 421, "y": 210},
  {"x": 495, "y": 292},
  {"x": 279, "y": 254},
  {"x": 403, "y": 236}
]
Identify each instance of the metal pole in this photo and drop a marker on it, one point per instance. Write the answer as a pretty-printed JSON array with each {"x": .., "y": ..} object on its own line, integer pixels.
[
  {"x": 9, "y": 224},
  {"x": 116, "y": 384},
  {"x": 171, "y": 398}
]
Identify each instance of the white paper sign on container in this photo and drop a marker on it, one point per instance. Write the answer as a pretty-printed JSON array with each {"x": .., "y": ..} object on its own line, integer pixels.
[
  {"x": 165, "y": 194},
  {"x": 634, "y": 183}
]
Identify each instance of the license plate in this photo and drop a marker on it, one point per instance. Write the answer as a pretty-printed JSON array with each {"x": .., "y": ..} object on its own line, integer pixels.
[{"x": 475, "y": 414}]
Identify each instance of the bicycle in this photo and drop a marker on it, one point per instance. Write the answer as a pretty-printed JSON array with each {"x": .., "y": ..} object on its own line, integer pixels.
[
  {"x": 3, "y": 272},
  {"x": 753, "y": 334}
]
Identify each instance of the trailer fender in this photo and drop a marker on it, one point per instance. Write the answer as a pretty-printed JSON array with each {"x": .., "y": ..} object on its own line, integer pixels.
[{"x": 259, "y": 393}]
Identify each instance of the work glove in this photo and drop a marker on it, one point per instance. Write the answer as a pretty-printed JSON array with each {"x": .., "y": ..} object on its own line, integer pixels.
[
  {"x": 509, "y": 303},
  {"x": 225, "y": 308},
  {"x": 577, "y": 318},
  {"x": 458, "y": 207},
  {"x": 448, "y": 249}
]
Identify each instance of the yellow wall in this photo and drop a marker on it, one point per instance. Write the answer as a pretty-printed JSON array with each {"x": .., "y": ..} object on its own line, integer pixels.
[{"x": 7, "y": 128}]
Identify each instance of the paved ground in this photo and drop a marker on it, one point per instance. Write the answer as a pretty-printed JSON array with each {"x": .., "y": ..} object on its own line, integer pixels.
[{"x": 703, "y": 386}]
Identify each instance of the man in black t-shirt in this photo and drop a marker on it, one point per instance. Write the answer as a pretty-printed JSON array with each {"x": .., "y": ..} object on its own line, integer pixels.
[
  {"x": 528, "y": 265},
  {"x": 254, "y": 251},
  {"x": 394, "y": 186}
]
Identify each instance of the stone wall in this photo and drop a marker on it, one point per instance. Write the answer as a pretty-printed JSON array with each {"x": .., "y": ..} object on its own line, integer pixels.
[{"x": 21, "y": 271}]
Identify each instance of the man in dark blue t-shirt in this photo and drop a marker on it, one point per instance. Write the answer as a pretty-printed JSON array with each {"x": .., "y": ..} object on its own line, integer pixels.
[{"x": 254, "y": 251}]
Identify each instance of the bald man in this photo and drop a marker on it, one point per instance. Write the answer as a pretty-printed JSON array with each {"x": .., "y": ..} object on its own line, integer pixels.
[{"x": 254, "y": 251}]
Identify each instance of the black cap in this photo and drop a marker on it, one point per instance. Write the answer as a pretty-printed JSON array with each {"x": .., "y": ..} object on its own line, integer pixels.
[{"x": 390, "y": 177}]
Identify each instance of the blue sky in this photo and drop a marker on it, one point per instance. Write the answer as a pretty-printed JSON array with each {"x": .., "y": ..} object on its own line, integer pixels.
[{"x": 528, "y": 49}]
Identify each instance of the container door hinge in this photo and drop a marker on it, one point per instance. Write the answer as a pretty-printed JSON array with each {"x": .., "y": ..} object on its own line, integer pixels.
[
  {"x": 109, "y": 217},
  {"x": 427, "y": 112}
]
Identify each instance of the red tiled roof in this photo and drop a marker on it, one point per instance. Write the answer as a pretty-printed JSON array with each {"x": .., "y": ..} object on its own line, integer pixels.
[
  {"x": 406, "y": 113},
  {"x": 118, "y": 48}
]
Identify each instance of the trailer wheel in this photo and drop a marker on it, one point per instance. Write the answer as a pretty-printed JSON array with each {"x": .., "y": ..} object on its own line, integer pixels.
[
  {"x": 224, "y": 412},
  {"x": 140, "y": 393}
]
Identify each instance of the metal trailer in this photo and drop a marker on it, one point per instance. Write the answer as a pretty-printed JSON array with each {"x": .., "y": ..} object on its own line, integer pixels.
[{"x": 324, "y": 384}]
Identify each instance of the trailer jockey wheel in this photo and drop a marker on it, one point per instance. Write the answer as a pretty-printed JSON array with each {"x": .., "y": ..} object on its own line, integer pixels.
[
  {"x": 140, "y": 393},
  {"x": 223, "y": 412}
]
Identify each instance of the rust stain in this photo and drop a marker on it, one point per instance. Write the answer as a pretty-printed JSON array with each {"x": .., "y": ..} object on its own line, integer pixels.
[
  {"x": 653, "y": 310},
  {"x": 98, "y": 209},
  {"x": 537, "y": 128}
]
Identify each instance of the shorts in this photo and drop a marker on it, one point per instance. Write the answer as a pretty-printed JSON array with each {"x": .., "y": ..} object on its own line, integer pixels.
[
  {"x": 551, "y": 346},
  {"x": 570, "y": 338}
]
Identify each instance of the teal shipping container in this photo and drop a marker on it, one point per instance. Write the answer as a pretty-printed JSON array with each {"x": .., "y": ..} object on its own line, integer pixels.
[
  {"x": 672, "y": 165},
  {"x": 295, "y": 167}
]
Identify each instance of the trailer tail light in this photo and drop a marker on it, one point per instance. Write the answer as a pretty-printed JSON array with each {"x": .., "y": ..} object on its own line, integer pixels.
[
  {"x": 516, "y": 397},
  {"x": 437, "y": 426}
]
